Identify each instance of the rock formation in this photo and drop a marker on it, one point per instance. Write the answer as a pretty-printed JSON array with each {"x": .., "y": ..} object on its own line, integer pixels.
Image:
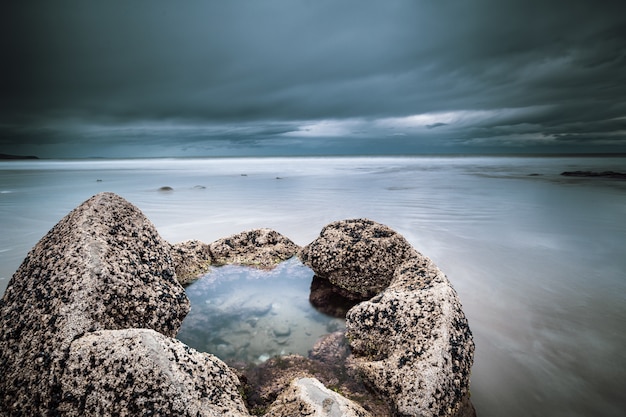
[
  {"x": 410, "y": 342},
  {"x": 141, "y": 372},
  {"x": 192, "y": 259},
  {"x": 358, "y": 257},
  {"x": 87, "y": 325},
  {"x": 263, "y": 248},
  {"x": 102, "y": 267},
  {"x": 260, "y": 247}
]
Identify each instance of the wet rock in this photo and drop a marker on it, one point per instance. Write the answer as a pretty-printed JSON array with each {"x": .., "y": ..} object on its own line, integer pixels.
[
  {"x": 308, "y": 397},
  {"x": 327, "y": 298},
  {"x": 139, "y": 372},
  {"x": 192, "y": 259},
  {"x": 103, "y": 266},
  {"x": 327, "y": 362},
  {"x": 281, "y": 330},
  {"x": 263, "y": 248},
  {"x": 166, "y": 189},
  {"x": 86, "y": 325},
  {"x": 357, "y": 256},
  {"x": 412, "y": 344}
]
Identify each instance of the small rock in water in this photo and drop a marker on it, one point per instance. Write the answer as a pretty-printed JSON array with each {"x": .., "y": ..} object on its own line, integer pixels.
[
  {"x": 166, "y": 188},
  {"x": 334, "y": 325},
  {"x": 282, "y": 330},
  {"x": 257, "y": 307}
]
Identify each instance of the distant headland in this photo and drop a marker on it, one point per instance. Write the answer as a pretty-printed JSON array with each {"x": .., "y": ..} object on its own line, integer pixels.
[
  {"x": 7, "y": 156},
  {"x": 604, "y": 174}
]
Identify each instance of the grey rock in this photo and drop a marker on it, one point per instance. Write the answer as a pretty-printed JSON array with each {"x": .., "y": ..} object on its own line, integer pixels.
[
  {"x": 357, "y": 256},
  {"x": 192, "y": 259},
  {"x": 309, "y": 397},
  {"x": 87, "y": 321},
  {"x": 142, "y": 372},
  {"x": 281, "y": 330},
  {"x": 264, "y": 248},
  {"x": 103, "y": 266},
  {"x": 412, "y": 344}
]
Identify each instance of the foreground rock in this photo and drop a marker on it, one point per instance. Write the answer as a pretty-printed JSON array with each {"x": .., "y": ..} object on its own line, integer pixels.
[
  {"x": 308, "y": 397},
  {"x": 103, "y": 266},
  {"x": 358, "y": 257},
  {"x": 327, "y": 362},
  {"x": 412, "y": 344},
  {"x": 118, "y": 372}
]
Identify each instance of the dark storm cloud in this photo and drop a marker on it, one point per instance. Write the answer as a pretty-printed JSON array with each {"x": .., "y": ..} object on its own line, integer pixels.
[{"x": 196, "y": 76}]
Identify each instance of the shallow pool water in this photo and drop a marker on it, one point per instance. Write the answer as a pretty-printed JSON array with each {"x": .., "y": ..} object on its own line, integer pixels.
[{"x": 247, "y": 315}]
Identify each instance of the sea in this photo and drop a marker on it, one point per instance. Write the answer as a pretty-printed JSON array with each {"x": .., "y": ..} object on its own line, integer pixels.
[{"x": 538, "y": 259}]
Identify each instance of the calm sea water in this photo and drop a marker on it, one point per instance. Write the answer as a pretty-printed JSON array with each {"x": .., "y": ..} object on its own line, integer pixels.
[{"x": 538, "y": 261}]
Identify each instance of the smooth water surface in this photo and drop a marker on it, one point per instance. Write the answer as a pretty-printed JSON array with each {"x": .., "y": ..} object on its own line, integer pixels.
[
  {"x": 247, "y": 315},
  {"x": 536, "y": 258}
]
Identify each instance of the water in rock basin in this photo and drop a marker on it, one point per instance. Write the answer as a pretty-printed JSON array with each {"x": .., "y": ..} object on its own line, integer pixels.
[{"x": 247, "y": 315}]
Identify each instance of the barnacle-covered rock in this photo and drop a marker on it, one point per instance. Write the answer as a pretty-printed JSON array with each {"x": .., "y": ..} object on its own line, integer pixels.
[
  {"x": 142, "y": 372},
  {"x": 192, "y": 259},
  {"x": 103, "y": 266},
  {"x": 263, "y": 248},
  {"x": 412, "y": 344},
  {"x": 357, "y": 256}
]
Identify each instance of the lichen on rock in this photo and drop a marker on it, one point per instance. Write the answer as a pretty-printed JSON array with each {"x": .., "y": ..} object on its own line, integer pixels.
[
  {"x": 120, "y": 372},
  {"x": 357, "y": 256},
  {"x": 192, "y": 259},
  {"x": 412, "y": 343},
  {"x": 264, "y": 248},
  {"x": 103, "y": 266}
]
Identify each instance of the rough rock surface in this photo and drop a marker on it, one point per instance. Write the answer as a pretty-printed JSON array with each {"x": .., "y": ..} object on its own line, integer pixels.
[
  {"x": 118, "y": 372},
  {"x": 325, "y": 297},
  {"x": 87, "y": 321},
  {"x": 259, "y": 247},
  {"x": 326, "y": 362},
  {"x": 192, "y": 259},
  {"x": 103, "y": 266},
  {"x": 412, "y": 344},
  {"x": 357, "y": 256},
  {"x": 308, "y": 397}
]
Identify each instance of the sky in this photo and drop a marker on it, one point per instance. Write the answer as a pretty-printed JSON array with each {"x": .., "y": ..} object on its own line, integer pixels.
[{"x": 153, "y": 78}]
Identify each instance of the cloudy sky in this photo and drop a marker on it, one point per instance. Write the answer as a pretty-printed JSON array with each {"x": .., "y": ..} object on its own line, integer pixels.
[{"x": 271, "y": 77}]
